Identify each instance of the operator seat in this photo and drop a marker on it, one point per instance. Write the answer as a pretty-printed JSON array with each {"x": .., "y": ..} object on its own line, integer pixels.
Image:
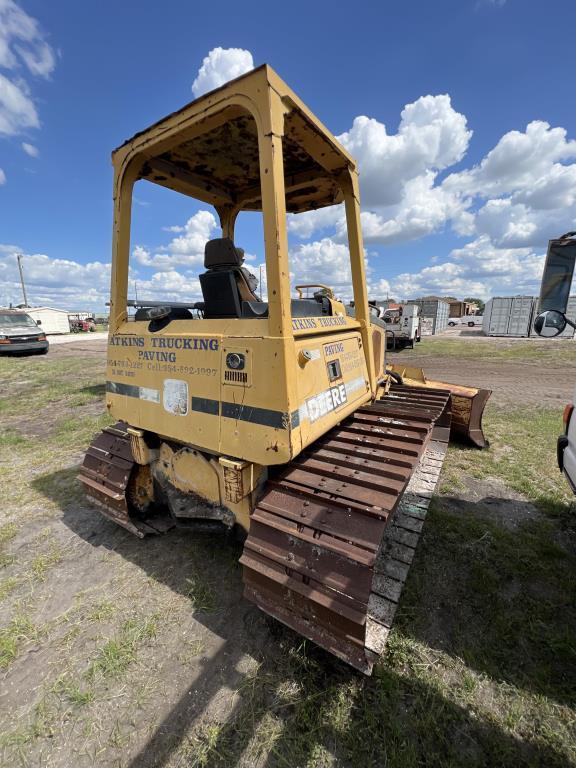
[
  {"x": 224, "y": 285},
  {"x": 226, "y": 291}
]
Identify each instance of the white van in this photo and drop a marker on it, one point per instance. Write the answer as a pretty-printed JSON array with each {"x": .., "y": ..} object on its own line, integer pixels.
[{"x": 19, "y": 333}]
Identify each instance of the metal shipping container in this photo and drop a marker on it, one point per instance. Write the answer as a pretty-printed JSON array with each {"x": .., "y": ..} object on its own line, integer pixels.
[
  {"x": 435, "y": 309},
  {"x": 508, "y": 316}
]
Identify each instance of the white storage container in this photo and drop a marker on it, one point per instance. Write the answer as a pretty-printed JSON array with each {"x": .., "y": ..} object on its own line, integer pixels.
[
  {"x": 51, "y": 320},
  {"x": 508, "y": 316}
]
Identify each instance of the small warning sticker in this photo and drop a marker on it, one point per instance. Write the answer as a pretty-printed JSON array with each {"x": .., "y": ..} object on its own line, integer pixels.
[{"x": 175, "y": 396}]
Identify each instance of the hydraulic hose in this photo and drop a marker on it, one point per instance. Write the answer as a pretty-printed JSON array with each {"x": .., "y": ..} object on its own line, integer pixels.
[{"x": 395, "y": 377}]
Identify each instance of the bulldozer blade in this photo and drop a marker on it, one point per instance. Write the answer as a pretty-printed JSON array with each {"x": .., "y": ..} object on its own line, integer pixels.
[{"x": 467, "y": 403}]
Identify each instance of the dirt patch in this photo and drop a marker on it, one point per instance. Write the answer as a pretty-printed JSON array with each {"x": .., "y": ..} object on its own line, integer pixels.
[
  {"x": 83, "y": 348},
  {"x": 143, "y": 653},
  {"x": 512, "y": 383}
]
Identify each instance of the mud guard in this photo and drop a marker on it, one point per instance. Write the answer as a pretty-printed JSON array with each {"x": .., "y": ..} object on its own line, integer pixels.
[{"x": 467, "y": 403}]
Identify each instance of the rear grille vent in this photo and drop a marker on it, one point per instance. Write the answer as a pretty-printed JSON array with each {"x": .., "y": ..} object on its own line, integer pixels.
[{"x": 236, "y": 377}]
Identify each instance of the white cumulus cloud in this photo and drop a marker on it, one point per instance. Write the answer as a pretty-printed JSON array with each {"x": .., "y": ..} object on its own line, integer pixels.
[
  {"x": 400, "y": 194},
  {"x": 431, "y": 136},
  {"x": 185, "y": 250},
  {"x": 2, "y": 177},
  {"x": 23, "y": 49},
  {"x": 30, "y": 149},
  {"x": 17, "y": 110},
  {"x": 22, "y": 41},
  {"x": 477, "y": 269},
  {"x": 220, "y": 66},
  {"x": 56, "y": 282}
]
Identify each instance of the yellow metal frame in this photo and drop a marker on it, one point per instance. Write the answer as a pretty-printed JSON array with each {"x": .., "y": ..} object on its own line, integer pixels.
[{"x": 279, "y": 344}]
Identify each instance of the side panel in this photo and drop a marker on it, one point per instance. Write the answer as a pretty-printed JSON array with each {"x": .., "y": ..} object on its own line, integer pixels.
[
  {"x": 332, "y": 381},
  {"x": 176, "y": 383}
]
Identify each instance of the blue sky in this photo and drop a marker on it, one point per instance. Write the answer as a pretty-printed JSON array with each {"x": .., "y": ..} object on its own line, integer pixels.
[{"x": 459, "y": 197}]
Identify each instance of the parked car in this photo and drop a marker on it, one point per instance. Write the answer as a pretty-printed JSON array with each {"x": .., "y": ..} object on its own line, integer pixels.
[
  {"x": 469, "y": 320},
  {"x": 549, "y": 324},
  {"x": 19, "y": 333}
]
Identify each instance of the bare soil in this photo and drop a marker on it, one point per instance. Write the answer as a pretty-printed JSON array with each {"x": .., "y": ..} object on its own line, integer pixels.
[
  {"x": 197, "y": 657},
  {"x": 524, "y": 382}
]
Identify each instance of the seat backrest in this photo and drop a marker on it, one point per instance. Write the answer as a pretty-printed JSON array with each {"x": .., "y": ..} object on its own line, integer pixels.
[
  {"x": 224, "y": 285},
  {"x": 221, "y": 296},
  {"x": 221, "y": 253}
]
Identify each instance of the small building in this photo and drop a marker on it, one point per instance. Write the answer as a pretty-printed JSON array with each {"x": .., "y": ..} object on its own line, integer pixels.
[
  {"x": 461, "y": 308},
  {"x": 50, "y": 319}
]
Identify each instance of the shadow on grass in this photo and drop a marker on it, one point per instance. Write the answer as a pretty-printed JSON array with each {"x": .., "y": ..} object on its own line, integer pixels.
[
  {"x": 333, "y": 717},
  {"x": 497, "y": 598},
  {"x": 501, "y": 579}
]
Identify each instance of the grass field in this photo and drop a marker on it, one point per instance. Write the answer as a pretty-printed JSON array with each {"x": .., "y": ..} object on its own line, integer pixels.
[{"x": 119, "y": 652}]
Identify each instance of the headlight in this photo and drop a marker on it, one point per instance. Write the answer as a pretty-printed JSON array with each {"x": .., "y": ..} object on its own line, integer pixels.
[{"x": 235, "y": 360}]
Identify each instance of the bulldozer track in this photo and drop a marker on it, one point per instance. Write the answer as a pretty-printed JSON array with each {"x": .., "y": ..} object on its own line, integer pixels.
[
  {"x": 333, "y": 536},
  {"x": 107, "y": 471}
]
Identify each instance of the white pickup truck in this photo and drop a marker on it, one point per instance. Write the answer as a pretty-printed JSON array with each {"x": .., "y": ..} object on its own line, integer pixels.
[
  {"x": 469, "y": 320},
  {"x": 554, "y": 293}
]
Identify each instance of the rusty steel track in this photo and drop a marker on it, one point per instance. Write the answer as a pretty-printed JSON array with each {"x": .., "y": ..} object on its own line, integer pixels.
[
  {"x": 332, "y": 537},
  {"x": 108, "y": 474}
]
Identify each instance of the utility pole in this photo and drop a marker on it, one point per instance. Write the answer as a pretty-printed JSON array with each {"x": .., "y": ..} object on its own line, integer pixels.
[{"x": 19, "y": 257}]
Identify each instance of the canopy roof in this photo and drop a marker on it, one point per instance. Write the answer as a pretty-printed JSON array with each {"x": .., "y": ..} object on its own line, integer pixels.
[{"x": 209, "y": 148}]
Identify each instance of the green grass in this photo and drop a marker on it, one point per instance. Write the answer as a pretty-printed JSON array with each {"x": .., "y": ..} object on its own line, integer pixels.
[
  {"x": 7, "y": 586},
  {"x": 19, "y": 631},
  {"x": 31, "y": 385},
  {"x": 8, "y": 531},
  {"x": 522, "y": 453},
  {"x": 116, "y": 655},
  {"x": 479, "y": 670},
  {"x": 44, "y": 561},
  {"x": 537, "y": 350},
  {"x": 10, "y": 438}
]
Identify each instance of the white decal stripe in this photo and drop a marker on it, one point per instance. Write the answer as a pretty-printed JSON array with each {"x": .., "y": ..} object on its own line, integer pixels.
[
  {"x": 152, "y": 395},
  {"x": 355, "y": 384}
]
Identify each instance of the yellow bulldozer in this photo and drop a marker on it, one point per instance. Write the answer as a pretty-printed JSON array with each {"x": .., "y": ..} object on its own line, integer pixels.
[{"x": 277, "y": 417}]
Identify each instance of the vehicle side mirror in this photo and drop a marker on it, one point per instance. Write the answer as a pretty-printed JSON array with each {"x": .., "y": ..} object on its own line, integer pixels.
[
  {"x": 38, "y": 322},
  {"x": 550, "y": 323}
]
